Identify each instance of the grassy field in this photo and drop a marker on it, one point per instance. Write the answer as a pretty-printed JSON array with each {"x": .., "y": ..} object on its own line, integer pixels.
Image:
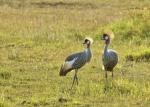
[{"x": 37, "y": 35}]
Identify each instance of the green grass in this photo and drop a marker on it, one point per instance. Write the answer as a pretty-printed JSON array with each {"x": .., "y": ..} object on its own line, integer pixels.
[
  {"x": 37, "y": 35},
  {"x": 139, "y": 56}
]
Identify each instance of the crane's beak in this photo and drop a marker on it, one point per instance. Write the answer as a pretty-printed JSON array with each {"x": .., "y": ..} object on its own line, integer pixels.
[
  {"x": 84, "y": 43},
  {"x": 102, "y": 38}
]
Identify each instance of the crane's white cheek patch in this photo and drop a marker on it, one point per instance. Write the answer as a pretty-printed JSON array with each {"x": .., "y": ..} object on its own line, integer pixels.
[
  {"x": 88, "y": 42},
  {"x": 68, "y": 64},
  {"x": 106, "y": 37}
]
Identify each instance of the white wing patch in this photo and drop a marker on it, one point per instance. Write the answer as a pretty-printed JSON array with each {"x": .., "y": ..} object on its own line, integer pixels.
[{"x": 68, "y": 64}]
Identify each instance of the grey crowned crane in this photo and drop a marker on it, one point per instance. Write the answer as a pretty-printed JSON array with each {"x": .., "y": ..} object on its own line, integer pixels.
[
  {"x": 109, "y": 57},
  {"x": 77, "y": 60}
]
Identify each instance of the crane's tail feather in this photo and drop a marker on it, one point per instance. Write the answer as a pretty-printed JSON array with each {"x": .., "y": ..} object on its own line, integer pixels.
[
  {"x": 63, "y": 70},
  {"x": 61, "y": 73}
]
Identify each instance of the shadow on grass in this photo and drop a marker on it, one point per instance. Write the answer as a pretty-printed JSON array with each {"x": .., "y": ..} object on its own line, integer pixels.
[
  {"x": 113, "y": 87},
  {"x": 63, "y": 4}
]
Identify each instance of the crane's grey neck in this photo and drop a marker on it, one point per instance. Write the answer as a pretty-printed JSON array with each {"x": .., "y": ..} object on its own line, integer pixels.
[
  {"x": 106, "y": 48},
  {"x": 87, "y": 49},
  {"x": 88, "y": 54},
  {"x": 107, "y": 42}
]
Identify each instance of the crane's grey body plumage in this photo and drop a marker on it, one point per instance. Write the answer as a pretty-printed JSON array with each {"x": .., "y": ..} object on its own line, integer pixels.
[
  {"x": 80, "y": 59},
  {"x": 110, "y": 59}
]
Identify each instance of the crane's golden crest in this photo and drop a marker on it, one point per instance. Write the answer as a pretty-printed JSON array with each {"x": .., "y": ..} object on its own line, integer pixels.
[{"x": 109, "y": 33}]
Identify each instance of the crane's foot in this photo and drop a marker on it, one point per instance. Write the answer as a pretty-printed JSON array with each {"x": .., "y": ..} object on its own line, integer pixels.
[{"x": 77, "y": 80}]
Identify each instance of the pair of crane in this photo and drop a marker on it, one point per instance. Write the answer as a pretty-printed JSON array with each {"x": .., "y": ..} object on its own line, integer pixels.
[{"x": 78, "y": 60}]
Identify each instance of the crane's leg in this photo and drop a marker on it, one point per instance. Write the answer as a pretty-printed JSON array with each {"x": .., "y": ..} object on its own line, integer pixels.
[
  {"x": 112, "y": 74},
  {"x": 73, "y": 81},
  {"x": 106, "y": 82},
  {"x": 106, "y": 74},
  {"x": 75, "y": 78}
]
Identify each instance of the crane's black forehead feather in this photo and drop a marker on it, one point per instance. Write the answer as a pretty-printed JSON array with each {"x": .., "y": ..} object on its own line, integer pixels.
[
  {"x": 88, "y": 39},
  {"x": 105, "y": 34}
]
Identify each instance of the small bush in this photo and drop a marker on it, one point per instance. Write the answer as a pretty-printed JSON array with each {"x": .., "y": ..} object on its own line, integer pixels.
[{"x": 138, "y": 57}]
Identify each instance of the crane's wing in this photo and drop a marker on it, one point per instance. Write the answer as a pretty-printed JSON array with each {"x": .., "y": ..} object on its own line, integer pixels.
[
  {"x": 81, "y": 61},
  {"x": 71, "y": 57},
  {"x": 76, "y": 60}
]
